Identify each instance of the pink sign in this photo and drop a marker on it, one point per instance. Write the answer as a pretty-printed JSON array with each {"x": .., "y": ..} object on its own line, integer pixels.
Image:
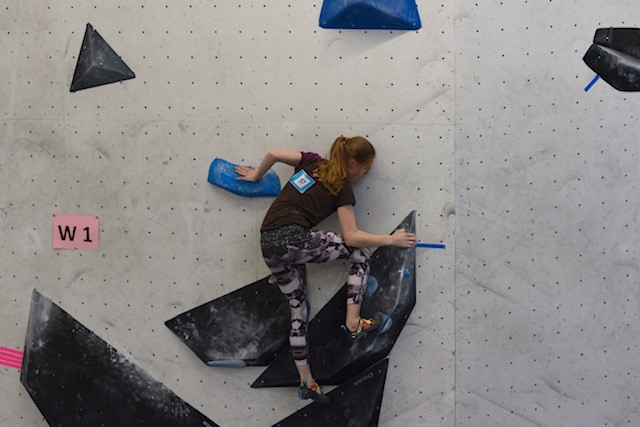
[{"x": 75, "y": 232}]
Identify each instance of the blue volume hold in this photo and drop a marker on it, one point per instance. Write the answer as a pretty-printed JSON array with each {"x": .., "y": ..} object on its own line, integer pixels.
[
  {"x": 223, "y": 174},
  {"x": 372, "y": 286},
  {"x": 370, "y": 14}
]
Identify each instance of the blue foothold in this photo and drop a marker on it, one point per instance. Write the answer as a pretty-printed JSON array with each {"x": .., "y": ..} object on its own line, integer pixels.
[
  {"x": 388, "y": 321},
  {"x": 405, "y": 272},
  {"x": 372, "y": 286}
]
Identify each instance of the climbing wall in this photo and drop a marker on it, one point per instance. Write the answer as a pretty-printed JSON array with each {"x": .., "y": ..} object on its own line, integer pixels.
[
  {"x": 215, "y": 79},
  {"x": 547, "y": 299}
]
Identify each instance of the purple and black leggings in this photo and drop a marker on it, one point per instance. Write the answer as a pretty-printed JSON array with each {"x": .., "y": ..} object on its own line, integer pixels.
[{"x": 286, "y": 250}]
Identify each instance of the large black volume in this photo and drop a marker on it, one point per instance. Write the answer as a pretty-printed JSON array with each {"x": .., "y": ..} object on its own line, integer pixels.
[
  {"x": 356, "y": 403},
  {"x": 98, "y": 64},
  {"x": 247, "y": 327},
  {"x": 77, "y": 379},
  {"x": 333, "y": 358}
]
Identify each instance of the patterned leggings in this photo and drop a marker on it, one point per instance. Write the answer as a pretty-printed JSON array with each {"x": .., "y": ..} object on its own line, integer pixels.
[{"x": 286, "y": 250}]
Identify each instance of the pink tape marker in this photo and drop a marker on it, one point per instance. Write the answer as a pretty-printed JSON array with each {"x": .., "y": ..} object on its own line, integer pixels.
[
  {"x": 11, "y": 358},
  {"x": 76, "y": 232}
]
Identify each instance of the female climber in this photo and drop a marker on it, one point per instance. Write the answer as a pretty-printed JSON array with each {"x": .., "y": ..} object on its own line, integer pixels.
[{"x": 318, "y": 188}]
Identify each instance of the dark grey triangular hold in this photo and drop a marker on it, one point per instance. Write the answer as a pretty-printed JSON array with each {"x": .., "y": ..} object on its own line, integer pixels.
[
  {"x": 77, "y": 379},
  {"x": 247, "y": 327},
  {"x": 98, "y": 64},
  {"x": 355, "y": 403}
]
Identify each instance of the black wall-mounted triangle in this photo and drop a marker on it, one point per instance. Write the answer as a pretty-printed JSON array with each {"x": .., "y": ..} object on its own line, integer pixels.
[
  {"x": 249, "y": 326},
  {"x": 332, "y": 357},
  {"x": 355, "y": 403},
  {"x": 77, "y": 379},
  {"x": 98, "y": 64},
  {"x": 615, "y": 56}
]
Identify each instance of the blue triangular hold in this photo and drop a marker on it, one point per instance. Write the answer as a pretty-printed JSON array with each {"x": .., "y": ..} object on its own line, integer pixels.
[{"x": 370, "y": 14}]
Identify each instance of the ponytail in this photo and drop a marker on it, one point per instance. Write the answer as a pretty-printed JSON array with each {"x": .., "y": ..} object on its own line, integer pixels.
[{"x": 333, "y": 172}]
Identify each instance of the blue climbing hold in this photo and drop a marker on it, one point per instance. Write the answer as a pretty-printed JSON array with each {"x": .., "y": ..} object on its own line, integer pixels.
[
  {"x": 223, "y": 174},
  {"x": 386, "y": 324},
  {"x": 405, "y": 272},
  {"x": 372, "y": 286},
  {"x": 370, "y": 14}
]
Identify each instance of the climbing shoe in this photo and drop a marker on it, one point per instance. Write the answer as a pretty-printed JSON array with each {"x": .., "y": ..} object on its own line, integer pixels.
[
  {"x": 313, "y": 392},
  {"x": 378, "y": 323}
]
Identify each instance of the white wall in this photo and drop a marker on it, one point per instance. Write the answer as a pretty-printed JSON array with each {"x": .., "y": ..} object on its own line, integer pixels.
[
  {"x": 547, "y": 296},
  {"x": 215, "y": 79}
]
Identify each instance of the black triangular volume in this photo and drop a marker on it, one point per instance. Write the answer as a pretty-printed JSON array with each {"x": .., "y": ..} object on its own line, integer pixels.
[
  {"x": 332, "y": 357},
  {"x": 247, "y": 327},
  {"x": 357, "y": 402},
  {"x": 618, "y": 69},
  {"x": 77, "y": 379},
  {"x": 98, "y": 64}
]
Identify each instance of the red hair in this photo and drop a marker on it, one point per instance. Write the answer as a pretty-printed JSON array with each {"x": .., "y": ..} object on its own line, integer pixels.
[{"x": 333, "y": 172}]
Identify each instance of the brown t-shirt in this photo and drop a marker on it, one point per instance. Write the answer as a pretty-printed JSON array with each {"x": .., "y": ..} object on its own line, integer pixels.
[{"x": 309, "y": 208}]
